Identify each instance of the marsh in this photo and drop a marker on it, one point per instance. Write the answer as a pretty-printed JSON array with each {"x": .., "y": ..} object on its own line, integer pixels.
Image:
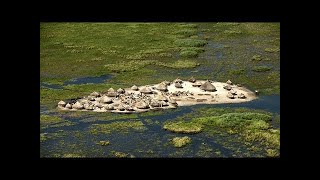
[{"x": 79, "y": 58}]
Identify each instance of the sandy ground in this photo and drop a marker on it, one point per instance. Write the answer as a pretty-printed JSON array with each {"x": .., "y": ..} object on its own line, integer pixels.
[
  {"x": 217, "y": 97},
  {"x": 191, "y": 96}
]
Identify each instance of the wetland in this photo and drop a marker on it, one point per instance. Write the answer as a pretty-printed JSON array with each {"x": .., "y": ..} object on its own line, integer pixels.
[{"x": 77, "y": 59}]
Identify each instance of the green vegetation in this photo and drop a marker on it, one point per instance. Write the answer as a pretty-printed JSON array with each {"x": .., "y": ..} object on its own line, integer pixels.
[
  {"x": 261, "y": 68},
  {"x": 256, "y": 58},
  {"x": 72, "y": 156},
  {"x": 277, "y": 119},
  {"x": 250, "y": 126},
  {"x": 204, "y": 151},
  {"x": 246, "y": 44},
  {"x": 148, "y": 53},
  {"x": 272, "y": 153},
  {"x": 121, "y": 154},
  {"x": 122, "y": 127},
  {"x": 237, "y": 71},
  {"x": 104, "y": 143},
  {"x": 187, "y": 32},
  {"x": 181, "y": 141},
  {"x": 182, "y": 127},
  {"x": 48, "y": 120},
  {"x": 53, "y": 121},
  {"x": 271, "y": 50},
  {"x": 42, "y": 137},
  {"x": 190, "y": 42}
]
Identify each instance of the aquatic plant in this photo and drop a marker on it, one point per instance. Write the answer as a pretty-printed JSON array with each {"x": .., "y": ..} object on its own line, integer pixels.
[
  {"x": 187, "y": 32},
  {"x": 272, "y": 153},
  {"x": 261, "y": 68},
  {"x": 104, "y": 143},
  {"x": 271, "y": 50},
  {"x": 179, "y": 64},
  {"x": 250, "y": 126},
  {"x": 189, "y": 53},
  {"x": 42, "y": 137},
  {"x": 72, "y": 156},
  {"x": 121, "y": 154},
  {"x": 181, "y": 141},
  {"x": 183, "y": 127},
  {"x": 46, "y": 119},
  {"x": 256, "y": 58},
  {"x": 190, "y": 42}
]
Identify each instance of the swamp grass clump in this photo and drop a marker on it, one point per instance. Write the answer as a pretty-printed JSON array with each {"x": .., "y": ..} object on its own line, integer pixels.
[
  {"x": 189, "y": 53},
  {"x": 72, "y": 156},
  {"x": 121, "y": 154},
  {"x": 272, "y": 153},
  {"x": 236, "y": 121},
  {"x": 261, "y": 68},
  {"x": 183, "y": 127},
  {"x": 48, "y": 120},
  {"x": 256, "y": 58},
  {"x": 103, "y": 143},
  {"x": 43, "y": 137},
  {"x": 272, "y": 50},
  {"x": 237, "y": 71},
  {"x": 179, "y": 142},
  {"x": 53, "y": 121},
  {"x": 179, "y": 64},
  {"x": 190, "y": 42},
  {"x": 128, "y": 65},
  {"x": 187, "y": 32}
]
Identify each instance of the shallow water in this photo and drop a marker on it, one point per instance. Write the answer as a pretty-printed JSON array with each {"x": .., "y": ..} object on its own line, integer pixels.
[
  {"x": 152, "y": 142},
  {"x": 87, "y": 80},
  {"x": 50, "y": 86}
]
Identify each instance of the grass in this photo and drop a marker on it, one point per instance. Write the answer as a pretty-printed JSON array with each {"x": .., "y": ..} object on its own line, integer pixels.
[
  {"x": 87, "y": 49},
  {"x": 53, "y": 121},
  {"x": 49, "y": 120},
  {"x": 272, "y": 50},
  {"x": 42, "y": 137},
  {"x": 104, "y": 143},
  {"x": 256, "y": 58},
  {"x": 121, "y": 154},
  {"x": 189, "y": 53},
  {"x": 243, "y": 54},
  {"x": 138, "y": 52},
  {"x": 261, "y": 68},
  {"x": 190, "y": 42},
  {"x": 122, "y": 127},
  {"x": 179, "y": 142},
  {"x": 250, "y": 126},
  {"x": 72, "y": 156},
  {"x": 187, "y": 32},
  {"x": 182, "y": 127}
]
